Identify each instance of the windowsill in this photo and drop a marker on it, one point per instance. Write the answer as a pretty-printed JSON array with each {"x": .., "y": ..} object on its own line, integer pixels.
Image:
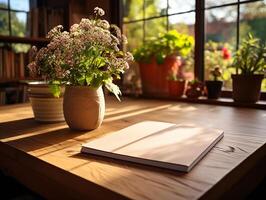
[{"x": 204, "y": 100}]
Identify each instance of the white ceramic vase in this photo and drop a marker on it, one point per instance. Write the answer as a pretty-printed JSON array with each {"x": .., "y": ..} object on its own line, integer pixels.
[{"x": 46, "y": 107}]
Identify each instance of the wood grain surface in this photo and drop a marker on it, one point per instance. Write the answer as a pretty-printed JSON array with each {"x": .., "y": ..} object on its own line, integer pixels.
[{"x": 47, "y": 158}]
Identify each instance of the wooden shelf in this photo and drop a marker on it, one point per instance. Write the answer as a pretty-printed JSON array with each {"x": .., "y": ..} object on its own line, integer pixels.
[{"x": 24, "y": 40}]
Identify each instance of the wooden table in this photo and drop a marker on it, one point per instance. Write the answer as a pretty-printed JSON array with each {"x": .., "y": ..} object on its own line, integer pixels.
[{"x": 47, "y": 158}]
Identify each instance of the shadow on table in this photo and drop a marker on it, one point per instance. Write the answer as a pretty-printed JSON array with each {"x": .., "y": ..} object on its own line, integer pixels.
[
  {"x": 29, "y": 135},
  {"x": 24, "y": 126}
]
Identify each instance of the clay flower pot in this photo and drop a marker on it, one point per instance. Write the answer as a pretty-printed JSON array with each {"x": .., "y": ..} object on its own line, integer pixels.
[
  {"x": 84, "y": 107},
  {"x": 46, "y": 107},
  {"x": 176, "y": 88},
  {"x": 246, "y": 88},
  {"x": 154, "y": 76}
]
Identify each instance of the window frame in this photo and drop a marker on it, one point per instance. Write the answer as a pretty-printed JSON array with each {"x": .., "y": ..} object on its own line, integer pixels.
[
  {"x": 200, "y": 21},
  {"x": 9, "y": 10}
]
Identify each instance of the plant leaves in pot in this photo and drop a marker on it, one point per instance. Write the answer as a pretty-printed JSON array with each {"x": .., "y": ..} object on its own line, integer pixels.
[
  {"x": 84, "y": 59},
  {"x": 157, "y": 56},
  {"x": 214, "y": 86},
  {"x": 250, "y": 60}
]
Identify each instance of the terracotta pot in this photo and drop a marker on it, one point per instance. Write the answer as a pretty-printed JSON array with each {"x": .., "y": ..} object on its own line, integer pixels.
[
  {"x": 164, "y": 69},
  {"x": 154, "y": 76},
  {"x": 46, "y": 107},
  {"x": 148, "y": 74},
  {"x": 84, "y": 107},
  {"x": 246, "y": 88},
  {"x": 176, "y": 88},
  {"x": 214, "y": 89}
]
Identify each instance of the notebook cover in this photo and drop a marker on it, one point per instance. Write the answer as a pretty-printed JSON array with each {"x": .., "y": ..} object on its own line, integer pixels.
[{"x": 172, "y": 146}]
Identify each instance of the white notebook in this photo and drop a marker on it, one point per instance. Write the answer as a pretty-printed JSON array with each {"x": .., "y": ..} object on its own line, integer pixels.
[{"x": 172, "y": 146}]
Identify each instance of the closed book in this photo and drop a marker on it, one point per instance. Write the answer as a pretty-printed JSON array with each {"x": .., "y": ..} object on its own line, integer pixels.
[{"x": 166, "y": 145}]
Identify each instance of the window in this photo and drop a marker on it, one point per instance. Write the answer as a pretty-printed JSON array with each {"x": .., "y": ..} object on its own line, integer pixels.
[
  {"x": 147, "y": 18},
  {"x": 14, "y": 15},
  {"x": 226, "y": 23}
]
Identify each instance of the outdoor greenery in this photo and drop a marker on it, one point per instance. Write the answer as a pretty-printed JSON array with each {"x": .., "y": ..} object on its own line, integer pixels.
[
  {"x": 251, "y": 56},
  {"x": 218, "y": 55},
  {"x": 170, "y": 43}
]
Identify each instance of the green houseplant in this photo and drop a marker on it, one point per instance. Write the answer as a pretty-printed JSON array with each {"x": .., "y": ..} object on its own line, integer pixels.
[
  {"x": 158, "y": 56},
  {"x": 250, "y": 60},
  {"x": 83, "y": 59},
  {"x": 195, "y": 89}
]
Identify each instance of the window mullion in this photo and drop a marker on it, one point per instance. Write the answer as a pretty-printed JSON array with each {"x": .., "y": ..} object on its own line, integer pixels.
[{"x": 199, "y": 40}]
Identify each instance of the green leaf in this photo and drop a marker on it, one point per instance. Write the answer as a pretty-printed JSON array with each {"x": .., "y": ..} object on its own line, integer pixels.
[
  {"x": 55, "y": 89},
  {"x": 113, "y": 89}
]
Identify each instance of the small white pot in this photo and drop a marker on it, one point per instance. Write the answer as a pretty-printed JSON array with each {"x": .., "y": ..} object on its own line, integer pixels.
[{"x": 46, "y": 108}]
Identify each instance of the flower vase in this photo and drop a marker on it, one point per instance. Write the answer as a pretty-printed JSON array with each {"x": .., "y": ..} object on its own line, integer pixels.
[{"x": 84, "y": 107}]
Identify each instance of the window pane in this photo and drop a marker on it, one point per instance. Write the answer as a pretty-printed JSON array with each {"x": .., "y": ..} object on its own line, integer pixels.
[
  {"x": 134, "y": 33},
  {"x": 4, "y": 30},
  {"x": 220, "y": 42},
  {"x": 155, "y": 8},
  {"x": 19, "y": 23},
  {"x": 20, "y": 5},
  {"x": 253, "y": 20},
  {"x": 185, "y": 23},
  {"x": 221, "y": 24},
  {"x": 209, "y": 3},
  {"x": 20, "y": 48},
  {"x": 176, "y": 6},
  {"x": 155, "y": 26},
  {"x": 3, "y": 3},
  {"x": 132, "y": 10}
]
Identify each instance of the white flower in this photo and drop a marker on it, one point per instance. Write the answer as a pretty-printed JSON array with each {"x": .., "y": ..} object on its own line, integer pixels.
[
  {"x": 104, "y": 24},
  {"x": 99, "y": 11},
  {"x": 129, "y": 56}
]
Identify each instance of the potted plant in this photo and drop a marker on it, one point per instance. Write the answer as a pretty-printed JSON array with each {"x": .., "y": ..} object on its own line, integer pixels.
[
  {"x": 47, "y": 103},
  {"x": 176, "y": 82},
  {"x": 218, "y": 55},
  {"x": 157, "y": 57},
  {"x": 250, "y": 60},
  {"x": 84, "y": 59},
  {"x": 195, "y": 89},
  {"x": 214, "y": 87}
]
